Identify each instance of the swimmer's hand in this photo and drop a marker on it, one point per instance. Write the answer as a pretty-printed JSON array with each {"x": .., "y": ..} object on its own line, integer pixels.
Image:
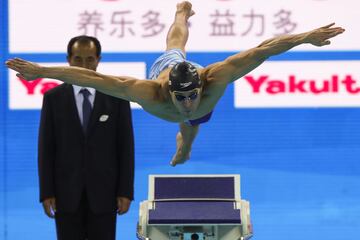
[
  {"x": 26, "y": 70},
  {"x": 182, "y": 152},
  {"x": 320, "y": 36}
]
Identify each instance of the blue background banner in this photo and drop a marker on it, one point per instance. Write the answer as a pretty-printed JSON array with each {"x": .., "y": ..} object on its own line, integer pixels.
[{"x": 299, "y": 167}]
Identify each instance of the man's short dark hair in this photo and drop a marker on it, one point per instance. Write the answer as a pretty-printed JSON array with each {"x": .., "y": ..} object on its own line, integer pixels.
[{"x": 83, "y": 39}]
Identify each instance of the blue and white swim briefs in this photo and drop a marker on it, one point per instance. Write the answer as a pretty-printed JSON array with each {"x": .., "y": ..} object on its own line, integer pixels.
[{"x": 168, "y": 59}]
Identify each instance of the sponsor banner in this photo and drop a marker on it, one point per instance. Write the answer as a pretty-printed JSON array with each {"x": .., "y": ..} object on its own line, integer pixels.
[
  {"x": 28, "y": 95},
  {"x": 142, "y": 25},
  {"x": 300, "y": 84}
]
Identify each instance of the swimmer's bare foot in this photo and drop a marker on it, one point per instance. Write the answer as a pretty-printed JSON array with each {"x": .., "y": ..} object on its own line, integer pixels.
[
  {"x": 185, "y": 8},
  {"x": 179, "y": 158},
  {"x": 182, "y": 154}
]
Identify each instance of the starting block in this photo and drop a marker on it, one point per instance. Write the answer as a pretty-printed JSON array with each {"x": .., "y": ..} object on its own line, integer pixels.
[{"x": 205, "y": 207}]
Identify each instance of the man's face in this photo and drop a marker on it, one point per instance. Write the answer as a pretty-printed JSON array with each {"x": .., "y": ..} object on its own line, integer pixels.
[
  {"x": 186, "y": 102},
  {"x": 84, "y": 55}
]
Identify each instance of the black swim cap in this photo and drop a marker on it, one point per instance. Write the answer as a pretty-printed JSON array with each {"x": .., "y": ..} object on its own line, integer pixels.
[{"x": 184, "y": 77}]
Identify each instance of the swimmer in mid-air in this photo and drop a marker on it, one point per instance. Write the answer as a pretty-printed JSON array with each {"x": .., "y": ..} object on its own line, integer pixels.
[{"x": 180, "y": 91}]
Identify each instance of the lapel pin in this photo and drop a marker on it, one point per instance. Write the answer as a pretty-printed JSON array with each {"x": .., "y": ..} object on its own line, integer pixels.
[{"x": 103, "y": 118}]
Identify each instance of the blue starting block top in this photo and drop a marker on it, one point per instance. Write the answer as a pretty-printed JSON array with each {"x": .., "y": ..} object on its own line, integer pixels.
[
  {"x": 194, "y": 188},
  {"x": 200, "y": 199}
]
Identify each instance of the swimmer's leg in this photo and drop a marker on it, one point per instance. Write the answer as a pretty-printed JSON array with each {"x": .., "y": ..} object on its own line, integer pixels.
[{"x": 178, "y": 33}]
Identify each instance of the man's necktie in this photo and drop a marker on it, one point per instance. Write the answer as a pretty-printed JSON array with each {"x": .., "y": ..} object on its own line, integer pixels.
[{"x": 86, "y": 107}]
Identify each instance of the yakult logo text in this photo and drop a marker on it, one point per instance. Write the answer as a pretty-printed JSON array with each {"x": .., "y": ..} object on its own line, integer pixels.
[
  {"x": 38, "y": 84},
  {"x": 300, "y": 84},
  {"x": 295, "y": 84},
  {"x": 29, "y": 94}
]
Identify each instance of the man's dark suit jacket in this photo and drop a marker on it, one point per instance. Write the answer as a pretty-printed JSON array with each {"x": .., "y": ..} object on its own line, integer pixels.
[{"x": 100, "y": 162}]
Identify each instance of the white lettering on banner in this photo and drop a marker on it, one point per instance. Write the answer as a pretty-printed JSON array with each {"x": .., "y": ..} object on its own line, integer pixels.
[
  {"x": 142, "y": 25},
  {"x": 300, "y": 84},
  {"x": 28, "y": 95}
]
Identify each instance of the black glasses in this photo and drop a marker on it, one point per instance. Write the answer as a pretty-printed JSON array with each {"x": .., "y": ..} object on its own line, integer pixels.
[{"x": 182, "y": 98}]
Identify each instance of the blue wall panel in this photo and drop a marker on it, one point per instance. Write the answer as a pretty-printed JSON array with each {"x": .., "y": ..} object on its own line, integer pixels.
[{"x": 300, "y": 167}]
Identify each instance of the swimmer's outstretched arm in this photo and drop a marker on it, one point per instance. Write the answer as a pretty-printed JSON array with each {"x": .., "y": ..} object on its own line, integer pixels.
[
  {"x": 184, "y": 141},
  {"x": 238, "y": 65},
  {"x": 127, "y": 88}
]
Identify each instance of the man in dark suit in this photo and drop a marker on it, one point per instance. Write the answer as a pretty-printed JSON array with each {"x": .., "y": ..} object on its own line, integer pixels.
[{"x": 86, "y": 154}]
